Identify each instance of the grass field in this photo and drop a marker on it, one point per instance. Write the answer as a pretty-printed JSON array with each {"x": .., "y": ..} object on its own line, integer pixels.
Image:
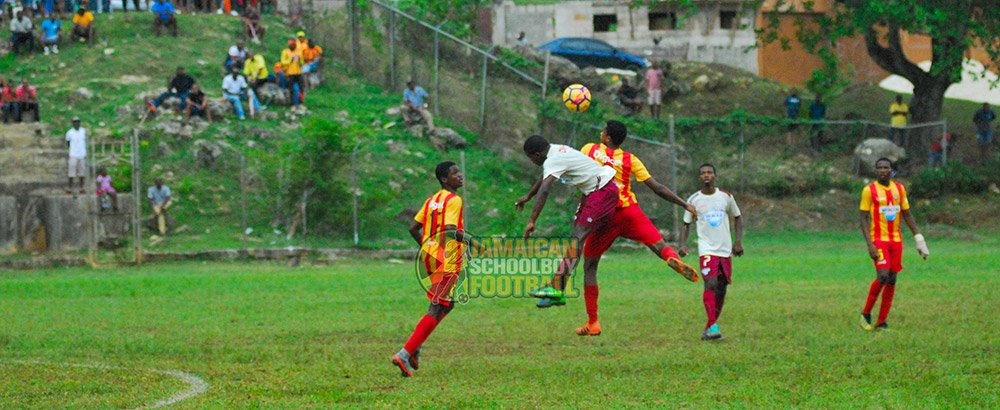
[{"x": 268, "y": 336}]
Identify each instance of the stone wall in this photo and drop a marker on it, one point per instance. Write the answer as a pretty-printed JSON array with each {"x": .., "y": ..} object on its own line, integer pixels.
[{"x": 40, "y": 223}]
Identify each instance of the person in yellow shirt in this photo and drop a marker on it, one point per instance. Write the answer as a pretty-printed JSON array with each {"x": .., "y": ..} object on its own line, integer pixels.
[
  {"x": 883, "y": 204},
  {"x": 83, "y": 26},
  {"x": 291, "y": 64},
  {"x": 255, "y": 70},
  {"x": 300, "y": 41},
  {"x": 897, "y": 116}
]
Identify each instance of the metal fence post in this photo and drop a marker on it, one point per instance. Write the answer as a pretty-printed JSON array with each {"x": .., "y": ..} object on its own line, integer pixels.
[
  {"x": 437, "y": 72},
  {"x": 353, "y": 15},
  {"x": 545, "y": 75},
  {"x": 136, "y": 198},
  {"x": 743, "y": 151},
  {"x": 392, "y": 49},
  {"x": 465, "y": 192},
  {"x": 243, "y": 199},
  {"x": 355, "y": 190},
  {"x": 675, "y": 224},
  {"x": 482, "y": 91}
]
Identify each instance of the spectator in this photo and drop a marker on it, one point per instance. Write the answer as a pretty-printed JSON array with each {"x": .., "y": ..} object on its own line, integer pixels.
[
  {"x": 300, "y": 41},
  {"x": 898, "y": 111},
  {"x": 105, "y": 187},
  {"x": 654, "y": 83},
  {"x": 76, "y": 140},
  {"x": 817, "y": 113},
  {"x": 27, "y": 98},
  {"x": 135, "y": 4},
  {"x": 984, "y": 129},
  {"x": 415, "y": 101},
  {"x": 792, "y": 106},
  {"x": 50, "y": 34},
  {"x": 237, "y": 55},
  {"x": 937, "y": 150},
  {"x": 252, "y": 28},
  {"x": 160, "y": 200},
  {"x": 255, "y": 70},
  {"x": 629, "y": 97},
  {"x": 10, "y": 109},
  {"x": 178, "y": 87},
  {"x": 83, "y": 26},
  {"x": 164, "y": 17},
  {"x": 311, "y": 58},
  {"x": 522, "y": 40},
  {"x": 291, "y": 64},
  {"x": 234, "y": 88},
  {"x": 197, "y": 104},
  {"x": 20, "y": 29}
]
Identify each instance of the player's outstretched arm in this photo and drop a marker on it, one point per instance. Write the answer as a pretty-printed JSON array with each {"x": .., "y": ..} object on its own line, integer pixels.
[
  {"x": 866, "y": 221},
  {"x": 738, "y": 244},
  {"x": 917, "y": 237},
  {"x": 683, "y": 251},
  {"x": 416, "y": 229},
  {"x": 519, "y": 203},
  {"x": 543, "y": 195},
  {"x": 663, "y": 192}
]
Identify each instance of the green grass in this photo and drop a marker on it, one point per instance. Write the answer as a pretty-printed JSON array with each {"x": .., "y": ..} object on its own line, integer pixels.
[{"x": 267, "y": 336}]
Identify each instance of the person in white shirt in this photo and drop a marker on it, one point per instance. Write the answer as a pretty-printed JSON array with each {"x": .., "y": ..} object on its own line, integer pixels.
[
  {"x": 76, "y": 139},
  {"x": 234, "y": 88},
  {"x": 715, "y": 244},
  {"x": 600, "y": 198}
]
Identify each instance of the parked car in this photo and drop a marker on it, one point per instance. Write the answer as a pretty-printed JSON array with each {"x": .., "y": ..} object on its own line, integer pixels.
[{"x": 588, "y": 52}]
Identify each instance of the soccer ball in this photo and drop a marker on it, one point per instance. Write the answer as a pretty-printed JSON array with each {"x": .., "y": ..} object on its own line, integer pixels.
[{"x": 576, "y": 97}]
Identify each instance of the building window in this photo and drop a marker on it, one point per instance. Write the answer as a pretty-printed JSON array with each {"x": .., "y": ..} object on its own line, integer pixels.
[
  {"x": 605, "y": 22},
  {"x": 662, "y": 21},
  {"x": 728, "y": 20}
]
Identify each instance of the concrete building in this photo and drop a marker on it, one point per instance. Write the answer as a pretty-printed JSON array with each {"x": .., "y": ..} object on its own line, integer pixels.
[{"x": 713, "y": 31}]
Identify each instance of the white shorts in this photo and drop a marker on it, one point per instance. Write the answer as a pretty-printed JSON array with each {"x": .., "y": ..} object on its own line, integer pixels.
[
  {"x": 77, "y": 167},
  {"x": 654, "y": 97}
]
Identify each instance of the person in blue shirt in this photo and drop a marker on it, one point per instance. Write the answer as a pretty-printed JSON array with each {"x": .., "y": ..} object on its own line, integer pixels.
[
  {"x": 792, "y": 105},
  {"x": 415, "y": 102},
  {"x": 817, "y": 113},
  {"x": 164, "y": 17},
  {"x": 50, "y": 34}
]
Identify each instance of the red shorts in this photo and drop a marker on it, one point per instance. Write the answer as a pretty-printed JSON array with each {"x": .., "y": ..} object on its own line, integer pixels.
[
  {"x": 596, "y": 208},
  {"x": 712, "y": 265},
  {"x": 442, "y": 288},
  {"x": 890, "y": 256},
  {"x": 629, "y": 222}
]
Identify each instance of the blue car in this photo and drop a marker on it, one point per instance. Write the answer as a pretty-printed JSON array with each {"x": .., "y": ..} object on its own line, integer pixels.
[{"x": 588, "y": 52}]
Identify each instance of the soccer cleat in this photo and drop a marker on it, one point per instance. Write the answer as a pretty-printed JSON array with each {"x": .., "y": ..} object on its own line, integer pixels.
[
  {"x": 866, "y": 321},
  {"x": 403, "y": 364},
  {"x": 548, "y": 292},
  {"x": 549, "y": 302},
  {"x": 712, "y": 333},
  {"x": 683, "y": 269},
  {"x": 882, "y": 327},
  {"x": 151, "y": 106},
  {"x": 589, "y": 329},
  {"x": 415, "y": 359}
]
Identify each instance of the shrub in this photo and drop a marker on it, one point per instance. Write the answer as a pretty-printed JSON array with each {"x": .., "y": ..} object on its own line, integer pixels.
[{"x": 954, "y": 178}]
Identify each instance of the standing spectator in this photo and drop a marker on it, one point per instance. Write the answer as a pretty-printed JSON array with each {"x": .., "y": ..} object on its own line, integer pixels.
[
  {"x": 984, "y": 129},
  {"x": 160, "y": 200},
  {"x": 234, "y": 88},
  {"x": 252, "y": 28},
  {"x": 255, "y": 70},
  {"x": 415, "y": 101},
  {"x": 50, "y": 34},
  {"x": 27, "y": 98},
  {"x": 10, "y": 110},
  {"x": 898, "y": 111},
  {"x": 300, "y": 41},
  {"x": 291, "y": 64},
  {"x": 654, "y": 83},
  {"x": 178, "y": 87},
  {"x": 76, "y": 140},
  {"x": 792, "y": 106},
  {"x": 522, "y": 40},
  {"x": 83, "y": 26},
  {"x": 135, "y": 3},
  {"x": 937, "y": 150},
  {"x": 104, "y": 187},
  {"x": 237, "y": 55},
  {"x": 197, "y": 104},
  {"x": 311, "y": 57},
  {"x": 20, "y": 29},
  {"x": 817, "y": 113},
  {"x": 629, "y": 97},
  {"x": 164, "y": 17}
]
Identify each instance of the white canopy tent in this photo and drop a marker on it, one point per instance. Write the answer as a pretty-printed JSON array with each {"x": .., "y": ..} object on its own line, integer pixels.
[{"x": 975, "y": 86}]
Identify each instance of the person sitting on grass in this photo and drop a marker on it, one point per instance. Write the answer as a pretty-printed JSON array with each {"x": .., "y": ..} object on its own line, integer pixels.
[
  {"x": 10, "y": 109},
  {"x": 104, "y": 187},
  {"x": 27, "y": 98},
  {"x": 197, "y": 105},
  {"x": 20, "y": 29},
  {"x": 178, "y": 87},
  {"x": 255, "y": 70},
  {"x": 49, "y": 36},
  {"x": 252, "y": 28},
  {"x": 164, "y": 17},
  {"x": 414, "y": 101},
  {"x": 234, "y": 88},
  {"x": 629, "y": 97},
  {"x": 83, "y": 26},
  {"x": 160, "y": 201},
  {"x": 311, "y": 57}
]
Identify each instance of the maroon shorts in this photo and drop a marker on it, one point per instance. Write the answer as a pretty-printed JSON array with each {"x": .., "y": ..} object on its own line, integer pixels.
[
  {"x": 712, "y": 265},
  {"x": 890, "y": 256},
  {"x": 629, "y": 222},
  {"x": 597, "y": 208}
]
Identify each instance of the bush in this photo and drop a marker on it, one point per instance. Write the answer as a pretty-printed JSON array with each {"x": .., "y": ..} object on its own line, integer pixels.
[{"x": 954, "y": 178}]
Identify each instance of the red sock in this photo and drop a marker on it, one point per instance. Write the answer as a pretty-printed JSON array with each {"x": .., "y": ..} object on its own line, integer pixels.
[
  {"x": 590, "y": 297},
  {"x": 668, "y": 253},
  {"x": 872, "y": 295},
  {"x": 424, "y": 329},
  {"x": 888, "y": 291},
  {"x": 709, "y": 298}
]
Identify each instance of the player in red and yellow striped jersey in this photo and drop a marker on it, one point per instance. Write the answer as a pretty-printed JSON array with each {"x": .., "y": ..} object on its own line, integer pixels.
[
  {"x": 628, "y": 220},
  {"x": 882, "y": 204},
  {"x": 439, "y": 230}
]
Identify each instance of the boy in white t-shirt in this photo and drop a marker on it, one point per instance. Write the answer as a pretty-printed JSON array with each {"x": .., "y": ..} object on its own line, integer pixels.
[
  {"x": 600, "y": 198},
  {"x": 715, "y": 244}
]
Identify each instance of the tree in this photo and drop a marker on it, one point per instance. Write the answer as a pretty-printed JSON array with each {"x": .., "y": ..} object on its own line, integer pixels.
[{"x": 954, "y": 27}]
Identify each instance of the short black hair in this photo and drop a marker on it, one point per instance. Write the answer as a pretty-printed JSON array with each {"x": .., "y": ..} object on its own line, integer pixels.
[
  {"x": 535, "y": 144},
  {"x": 442, "y": 169},
  {"x": 891, "y": 165},
  {"x": 708, "y": 165},
  {"x": 616, "y": 131}
]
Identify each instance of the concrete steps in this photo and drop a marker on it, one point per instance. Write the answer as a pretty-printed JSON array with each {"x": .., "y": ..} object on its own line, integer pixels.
[{"x": 31, "y": 159}]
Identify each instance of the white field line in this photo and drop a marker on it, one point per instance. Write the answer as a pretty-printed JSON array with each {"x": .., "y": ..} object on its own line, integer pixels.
[{"x": 195, "y": 384}]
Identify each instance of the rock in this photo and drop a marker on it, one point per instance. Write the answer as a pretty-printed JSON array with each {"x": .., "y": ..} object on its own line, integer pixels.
[
  {"x": 701, "y": 83},
  {"x": 109, "y": 51},
  {"x": 163, "y": 150},
  {"x": 449, "y": 137},
  {"x": 416, "y": 130},
  {"x": 870, "y": 150},
  {"x": 80, "y": 94},
  {"x": 170, "y": 127},
  {"x": 207, "y": 152},
  {"x": 267, "y": 115},
  {"x": 394, "y": 111},
  {"x": 124, "y": 110},
  {"x": 594, "y": 81},
  {"x": 220, "y": 108},
  {"x": 133, "y": 79},
  {"x": 342, "y": 115},
  {"x": 271, "y": 94}
]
